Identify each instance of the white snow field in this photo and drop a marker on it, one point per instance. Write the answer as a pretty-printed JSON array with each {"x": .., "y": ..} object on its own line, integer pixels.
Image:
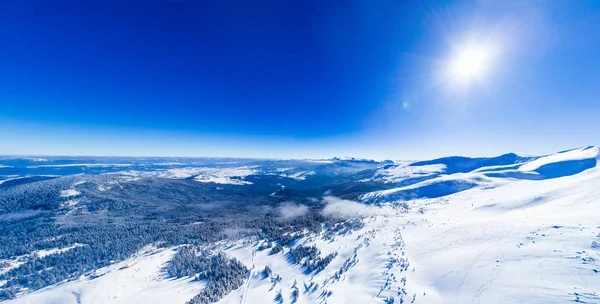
[
  {"x": 465, "y": 236},
  {"x": 142, "y": 282},
  {"x": 210, "y": 175},
  {"x": 223, "y": 176},
  {"x": 520, "y": 242}
]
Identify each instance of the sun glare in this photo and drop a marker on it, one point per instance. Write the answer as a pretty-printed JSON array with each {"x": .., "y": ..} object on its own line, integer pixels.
[{"x": 470, "y": 62}]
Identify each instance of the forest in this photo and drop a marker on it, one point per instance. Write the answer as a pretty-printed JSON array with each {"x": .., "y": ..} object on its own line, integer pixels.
[{"x": 111, "y": 217}]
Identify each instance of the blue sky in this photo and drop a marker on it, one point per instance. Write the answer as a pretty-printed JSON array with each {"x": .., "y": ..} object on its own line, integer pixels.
[{"x": 296, "y": 78}]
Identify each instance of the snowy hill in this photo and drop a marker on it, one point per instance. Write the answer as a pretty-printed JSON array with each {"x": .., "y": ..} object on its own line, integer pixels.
[
  {"x": 507, "y": 229},
  {"x": 444, "y": 176}
]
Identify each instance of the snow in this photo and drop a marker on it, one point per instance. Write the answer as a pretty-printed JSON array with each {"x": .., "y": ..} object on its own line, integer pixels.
[
  {"x": 497, "y": 168},
  {"x": 398, "y": 173},
  {"x": 8, "y": 179},
  {"x": 69, "y": 193},
  {"x": 232, "y": 176},
  {"x": 319, "y": 161},
  {"x": 168, "y": 164},
  {"x": 501, "y": 241},
  {"x": 226, "y": 175},
  {"x": 220, "y": 180},
  {"x": 16, "y": 262},
  {"x": 571, "y": 155},
  {"x": 37, "y": 159},
  {"x": 70, "y": 203},
  {"x": 465, "y": 237},
  {"x": 288, "y": 172},
  {"x": 11, "y": 264},
  {"x": 43, "y": 253},
  {"x": 373, "y": 259},
  {"x": 360, "y": 160},
  {"x": 103, "y": 188},
  {"x": 79, "y": 165},
  {"x": 435, "y": 187},
  {"x": 299, "y": 175},
  {"x": 142, "y": 283},
  {"x": 521, "y": 242},
  {"x": 178, "y": 173},
  {"x": 17, "y": 215}
]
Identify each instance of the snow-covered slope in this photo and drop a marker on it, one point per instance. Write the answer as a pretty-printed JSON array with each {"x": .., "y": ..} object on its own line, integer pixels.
[
  {"x": 444, "y": 176},
  {"x": 520, "y": 242},
  {"x": 138, "y": 280},
  {"x": 509, "y": 229}
]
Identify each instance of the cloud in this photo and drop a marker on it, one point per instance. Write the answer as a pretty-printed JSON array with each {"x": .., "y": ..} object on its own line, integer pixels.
[
  {"x": 236, "y": 233},
  {"x": 335, "y": 206},
  {"x": 289, "y": 210}
]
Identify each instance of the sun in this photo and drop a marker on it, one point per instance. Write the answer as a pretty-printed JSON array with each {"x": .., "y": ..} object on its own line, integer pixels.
[{"x": 470, "y": 62}]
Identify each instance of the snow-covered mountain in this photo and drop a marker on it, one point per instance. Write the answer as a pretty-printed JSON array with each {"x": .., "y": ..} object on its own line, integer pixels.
[{"x": 506, "y": 229}]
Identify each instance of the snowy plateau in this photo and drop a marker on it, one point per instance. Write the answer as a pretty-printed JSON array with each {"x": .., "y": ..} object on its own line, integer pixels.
[{"x": 508, "y": 229}]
